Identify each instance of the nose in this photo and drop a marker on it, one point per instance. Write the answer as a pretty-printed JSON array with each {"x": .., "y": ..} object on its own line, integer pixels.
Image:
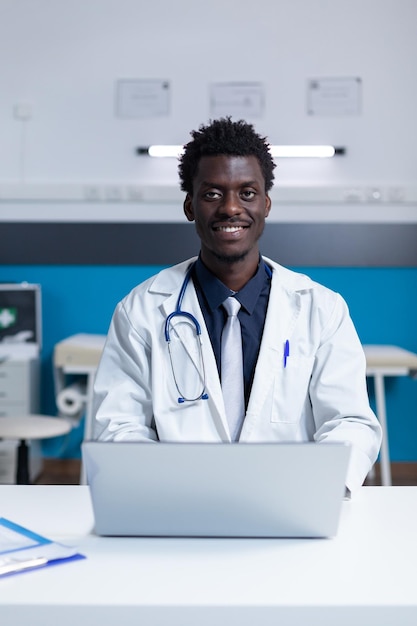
[{"x": 230, "y": 205}]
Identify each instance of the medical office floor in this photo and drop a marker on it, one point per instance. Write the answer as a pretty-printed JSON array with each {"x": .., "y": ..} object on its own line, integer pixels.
[{"x": 67, "y": 472}]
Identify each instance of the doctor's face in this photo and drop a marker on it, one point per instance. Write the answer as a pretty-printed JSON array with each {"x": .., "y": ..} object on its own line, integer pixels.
[{"x": 229, "y": 205}]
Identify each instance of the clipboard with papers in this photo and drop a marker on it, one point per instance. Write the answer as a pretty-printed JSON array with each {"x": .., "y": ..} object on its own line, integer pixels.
[{"x": 23, "y": 550}]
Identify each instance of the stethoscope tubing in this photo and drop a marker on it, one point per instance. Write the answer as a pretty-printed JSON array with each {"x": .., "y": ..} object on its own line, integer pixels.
[
  {"x": 178, "y": 308},
  {"x": 179, "y": 313}
]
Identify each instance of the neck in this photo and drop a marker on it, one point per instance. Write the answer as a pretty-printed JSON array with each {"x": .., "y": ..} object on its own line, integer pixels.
[{"x": 234, "y": 273}]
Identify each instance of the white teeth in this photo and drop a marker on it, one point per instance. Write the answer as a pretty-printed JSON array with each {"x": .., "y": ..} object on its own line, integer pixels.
[{"x": 230, "y": 229}]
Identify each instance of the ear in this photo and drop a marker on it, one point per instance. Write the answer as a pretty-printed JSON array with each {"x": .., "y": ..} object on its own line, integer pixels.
[
  {"x": 188, "y": 208},
  {"x": 268, "y": 204}
]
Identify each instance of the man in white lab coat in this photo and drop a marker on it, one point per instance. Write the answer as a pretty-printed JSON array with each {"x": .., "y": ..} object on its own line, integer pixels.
[{"x": 160, "y": 376}]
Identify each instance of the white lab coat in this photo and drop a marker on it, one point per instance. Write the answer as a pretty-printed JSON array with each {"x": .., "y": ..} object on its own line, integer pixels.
[{"x": 319, "y": 395}]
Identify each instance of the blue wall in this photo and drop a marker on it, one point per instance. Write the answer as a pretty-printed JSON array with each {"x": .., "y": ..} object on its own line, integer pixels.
[{"x": 81, "y": 299}]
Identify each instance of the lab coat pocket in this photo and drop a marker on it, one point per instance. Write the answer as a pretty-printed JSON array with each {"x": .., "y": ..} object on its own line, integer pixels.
[{"x": 290, "y": 390}]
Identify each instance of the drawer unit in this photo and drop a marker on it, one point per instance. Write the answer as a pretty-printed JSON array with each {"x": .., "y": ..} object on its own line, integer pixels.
[
  {"x": 19, "y": 387},
  {"x": 20, "y": 345},
  {"x": 19, "y": 395}
]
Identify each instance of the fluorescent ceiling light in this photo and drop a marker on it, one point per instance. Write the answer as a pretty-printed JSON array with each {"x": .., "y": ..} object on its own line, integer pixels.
[
  {"x": 165, "y": 151},
  {"x": 303, "y": 151},
  {"x": 276, "y": 151}
]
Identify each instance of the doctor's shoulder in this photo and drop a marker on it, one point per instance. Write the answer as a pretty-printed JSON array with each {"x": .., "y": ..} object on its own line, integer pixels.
[
  {"x": 323, "y": 301},
  {"x": 143, "y": 302}
]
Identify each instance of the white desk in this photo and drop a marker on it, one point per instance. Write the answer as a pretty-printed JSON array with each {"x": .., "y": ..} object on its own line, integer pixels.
[
  {"x": 382, "y": 361},
  {"x": 366, "y": 575}
]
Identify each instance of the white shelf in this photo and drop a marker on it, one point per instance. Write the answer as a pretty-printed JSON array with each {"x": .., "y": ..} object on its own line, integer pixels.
[{"x": 122, "y": 192}]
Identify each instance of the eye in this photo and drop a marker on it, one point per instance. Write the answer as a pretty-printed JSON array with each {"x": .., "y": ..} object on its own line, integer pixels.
[
  {"x": 212, "y": 195},
  {"x": 248, "y": 194}
]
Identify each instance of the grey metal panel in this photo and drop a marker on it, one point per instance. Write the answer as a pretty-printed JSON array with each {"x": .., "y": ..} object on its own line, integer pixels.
[
  {"x": 348, "y": 245},
  {"x": 344, "y": 245}
]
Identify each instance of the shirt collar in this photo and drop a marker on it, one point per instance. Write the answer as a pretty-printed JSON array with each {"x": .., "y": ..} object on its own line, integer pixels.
[{"x": 216, "y": 292}]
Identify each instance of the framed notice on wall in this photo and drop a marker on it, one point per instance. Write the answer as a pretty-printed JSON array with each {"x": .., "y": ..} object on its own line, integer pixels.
[
  {"x": 239, "y": 100},
  {"x": 334, "y": 96},
  {"x": 142, "y": 98}
]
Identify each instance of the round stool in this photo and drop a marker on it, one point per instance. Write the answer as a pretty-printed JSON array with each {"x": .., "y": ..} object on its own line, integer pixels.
[{"x": 30, "y": 427}]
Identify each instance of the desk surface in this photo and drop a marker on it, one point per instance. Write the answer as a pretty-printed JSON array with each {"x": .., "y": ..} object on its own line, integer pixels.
[
  {"x": 366, "y": 574},
  {"x": 33, "y": 427},
  {"x": 386, "y": 356}
]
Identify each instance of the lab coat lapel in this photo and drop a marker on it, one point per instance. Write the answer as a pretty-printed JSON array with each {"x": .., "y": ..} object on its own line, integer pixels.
[{"x": 282, "y": 313}]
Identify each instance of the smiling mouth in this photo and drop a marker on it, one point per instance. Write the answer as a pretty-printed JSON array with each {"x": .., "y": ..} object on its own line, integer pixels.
[{"x": 229, "y": 229}]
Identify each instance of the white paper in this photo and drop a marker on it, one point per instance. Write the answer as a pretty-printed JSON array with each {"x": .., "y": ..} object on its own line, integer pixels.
[
  {"x": 12, "y": 540},
  {"x": 22, "y": 549}
]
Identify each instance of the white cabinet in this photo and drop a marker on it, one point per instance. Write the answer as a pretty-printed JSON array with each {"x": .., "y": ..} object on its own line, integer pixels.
[
  {"x": 19, "y": 387},
  {"x": 20, "y": 346},
  {"x": 19, "y": 395}
]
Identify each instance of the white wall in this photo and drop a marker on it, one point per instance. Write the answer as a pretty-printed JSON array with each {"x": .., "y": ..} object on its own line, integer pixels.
[{"x": 63, "y": 58}]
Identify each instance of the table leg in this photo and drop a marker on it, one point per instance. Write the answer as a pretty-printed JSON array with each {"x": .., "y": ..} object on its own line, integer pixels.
[
  {"x": 88, "y": 424},
  {"x": 382, "y": 417},
  {"x": 22, "y": 470}
]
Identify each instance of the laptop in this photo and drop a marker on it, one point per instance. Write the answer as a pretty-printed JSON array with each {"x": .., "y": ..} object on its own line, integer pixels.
[{"x": 216, "y": 489}]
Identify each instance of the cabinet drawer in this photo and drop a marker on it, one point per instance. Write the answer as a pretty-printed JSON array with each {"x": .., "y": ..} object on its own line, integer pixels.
[
  {"x": 20, "y": 408},
  {"x": 14, "y": 380}
]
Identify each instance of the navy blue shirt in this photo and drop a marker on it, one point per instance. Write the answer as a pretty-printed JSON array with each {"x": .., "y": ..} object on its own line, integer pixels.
[{"x": 253, "y": 297}]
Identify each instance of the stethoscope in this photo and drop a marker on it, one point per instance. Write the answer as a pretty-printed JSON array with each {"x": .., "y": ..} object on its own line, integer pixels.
[
  {"x": 185, "y": 314},
  {"x": 179, "y": 313}
]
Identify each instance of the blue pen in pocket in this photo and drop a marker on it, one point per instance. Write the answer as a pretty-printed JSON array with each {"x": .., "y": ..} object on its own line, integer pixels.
[{"x": 286, "y": 352}]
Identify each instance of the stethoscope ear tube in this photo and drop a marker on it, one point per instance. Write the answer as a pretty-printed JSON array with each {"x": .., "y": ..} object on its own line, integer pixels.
[{"x": 203, "y": 397}]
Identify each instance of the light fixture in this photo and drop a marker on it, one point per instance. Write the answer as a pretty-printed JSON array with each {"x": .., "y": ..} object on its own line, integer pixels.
[
  {"x": 320, "y": 152},
  {"x": 276, "y": 151}
]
